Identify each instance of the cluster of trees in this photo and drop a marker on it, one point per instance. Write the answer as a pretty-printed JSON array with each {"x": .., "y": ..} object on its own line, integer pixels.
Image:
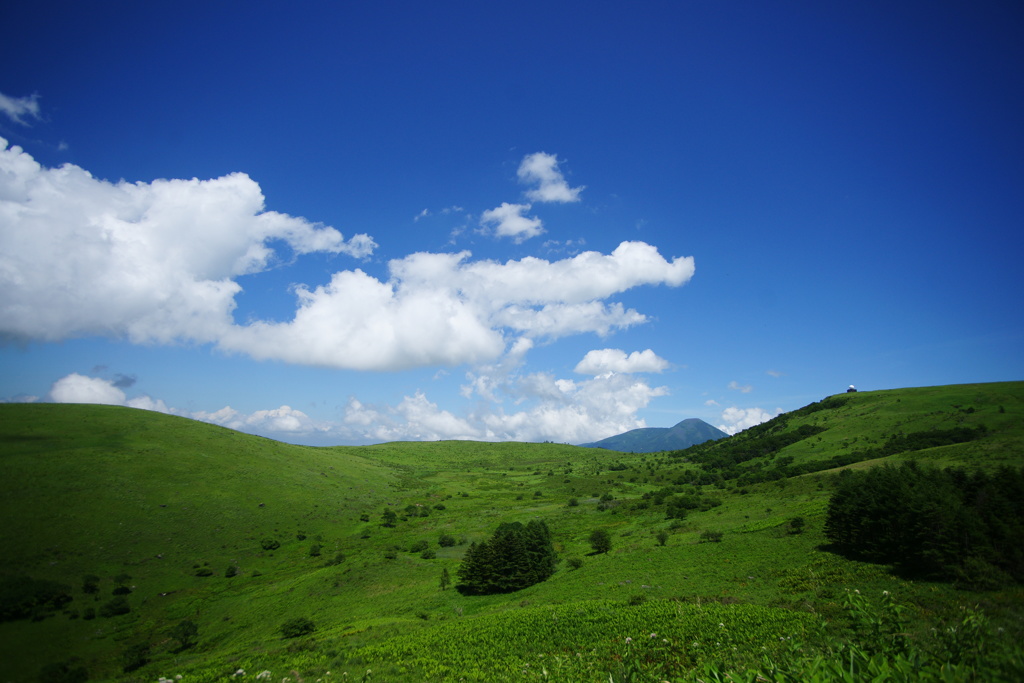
[
  {"x": 947, "y": 524},
  {"x": 515, "y": 557}
]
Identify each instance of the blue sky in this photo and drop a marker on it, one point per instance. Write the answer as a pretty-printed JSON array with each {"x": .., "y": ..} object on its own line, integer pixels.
[{"x": 344, "y": 223}]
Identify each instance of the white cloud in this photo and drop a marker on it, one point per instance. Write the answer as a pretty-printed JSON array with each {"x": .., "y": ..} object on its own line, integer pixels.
[
  {"x": 737, "y": 419},
  {"x": 16, "y": 108},
  {"x": 154, "y": 262},
  {"x": 159, "y": 262},
  {"x": 508, "y": 221},
  {"x": 774, "y": 373},
  {"x": 711, "y": 402},
  {"x": 742, "y": 388},
  {"x": 542, "y": 169},
  {"x": 75, "y": 388},
  {"x": 444, "y": 309},
  {"x": 601, "y": 361}
]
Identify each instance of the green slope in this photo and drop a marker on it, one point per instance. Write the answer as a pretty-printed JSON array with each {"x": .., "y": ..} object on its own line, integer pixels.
[{"x": 104, "y": 490}]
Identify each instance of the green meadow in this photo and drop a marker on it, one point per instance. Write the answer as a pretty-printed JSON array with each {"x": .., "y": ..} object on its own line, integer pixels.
[{"x": 236, "y": 534}]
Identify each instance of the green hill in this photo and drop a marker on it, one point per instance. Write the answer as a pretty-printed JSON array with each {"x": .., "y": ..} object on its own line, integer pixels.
[
  {"x": 689, "y": 432},
  {"x": 115, "y": 492}
]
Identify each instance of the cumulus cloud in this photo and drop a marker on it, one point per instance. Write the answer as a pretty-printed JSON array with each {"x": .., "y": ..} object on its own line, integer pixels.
[
  {"x": 18, "y": 108},
  {"x": 602, "y": 361},
  {"x": 742, "y": 388},
  {"x": 737, "y": 419},
  {"x": 154, "y": 262},
  {"x": 508, "y": 221},
  {"x": 159, "y": 262},
  {"x": 445, "y": 309},
  {"x": 75, "y": 388},
  {"x": 542, "y": 169}
]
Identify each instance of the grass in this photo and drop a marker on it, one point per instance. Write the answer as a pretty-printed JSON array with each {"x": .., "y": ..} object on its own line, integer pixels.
[{"x": 106, "y": 490}]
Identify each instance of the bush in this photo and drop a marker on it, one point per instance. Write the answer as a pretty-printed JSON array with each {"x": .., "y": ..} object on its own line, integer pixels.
[
  {"x": 115, "y": 607},
  {"x": 419, "y": 546},
  {"x": 446, "y": 541},
  {"x": 600, "y": 540},
  {"x": 270, "y": 544},
  {"x": 63, "y": 672},
  {"x": 90, "y": 583},
  {"x": 22, "y": 597},
  {"x": 573, "y": 502},
  {"x": 662, "y": 537},
  {"x": 204, "y": 571},
  {"x": 314, "y": 550},
  {"x": 711, "y": 536},
  {"x": 121, "y": 590},
  {"x": 299, "y": 626},
  {"x": 428, "y": 554},
  {"x": 574, "y": 562},
  {"x": 338, "y": 558},
  {"x": 185, "y": 632},
  {"x": 231, "y": 571},
  {"x": 135, "y": 657}
]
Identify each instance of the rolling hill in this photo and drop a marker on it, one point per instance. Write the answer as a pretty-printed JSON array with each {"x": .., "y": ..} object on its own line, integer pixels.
[
  {"x": 689, "y": 432},
  {"x": 236, "y": 534}
]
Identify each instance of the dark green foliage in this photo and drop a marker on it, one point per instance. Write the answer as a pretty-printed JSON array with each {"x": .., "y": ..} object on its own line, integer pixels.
[
  {"x": 662, "y": 537},
  {"x": 711, "y": 536},
  {"x": 796, "y": 525},
  {"x": 231, "y": 571},
  {"x": 270, "y": 544},
  {"x": 637, "y": 599},
  {"x": 88, "y": 613},
  {"x": 204, "y": 571},
  {"x": 515, "y": 557},
  {"x": 419, "y": 546},
  {"x": 338, "y": 558},
  {"x": 90, "y": 584},
  {"x": 428, "y": 554},
  {"x": 574, "y": 562},
  {"x": 63, "y": 672},
  {"x": 573, "y": 502},
  {"x": 446, "y": 541},
  {"x": 135, "y": 657},
  {"x": 364, "y": 517},
  {"x": 121, "y": 590},
  {"x": 122, "y": 579},
  {"x": 22, "y": 597},
  {"x": 299, "y": 626},
  {"x": 115, "y": 607},
  {"x": 314, "y": 550},
  {"x": 600, "y": 540},
  {"x": 186, "y": 633},
  {"x": 446, "y": 579},
  {"x": 389, "y": 518},
  {"x": 944, "y": 524}
]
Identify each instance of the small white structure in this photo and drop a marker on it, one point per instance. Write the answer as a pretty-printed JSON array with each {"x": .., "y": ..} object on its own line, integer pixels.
[{"x": 851, "y": 390}]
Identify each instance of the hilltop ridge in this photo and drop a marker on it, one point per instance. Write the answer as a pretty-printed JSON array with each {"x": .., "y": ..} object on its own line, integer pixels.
[{"x": 689, "y": 432}]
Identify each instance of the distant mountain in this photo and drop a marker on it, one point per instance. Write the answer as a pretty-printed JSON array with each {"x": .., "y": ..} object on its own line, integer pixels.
[{"x": 653, "y": 439}]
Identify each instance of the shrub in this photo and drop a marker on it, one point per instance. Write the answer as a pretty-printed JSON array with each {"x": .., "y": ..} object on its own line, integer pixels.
[
  {"x": 204, "y": 571},
  {"x": 22, "y": 597},
  {"x": 231, "y": 571},
  {"x": 270, "y": 544},
  {"x": 364, "y": 517},
  {"x": 338, "y": 558},
  {"x": 88, "y": 613},
  {"x": 637, "y": 599},
  {"x": 439, "y": 506},
  {"x": 135, "y": 657},
  {"x": 185, "y": 632},
  {"x": 299, "y": 626},
  {"x": 428, "y": 554},
  {"x": 446, "y": 541},
  {"x": 121, "y": 590},
  {"x": 115, "y": 607},
  {"x": 796, "y": 525},
  {"x": 711, "y": 536},
  {"x": 573, "y": 502},
  {"x": 314, "y": 550},
  {"x": 574, "y": 562},
  {"x": 390, "y": 554},
  {"x": 600, "y": 540},
  {"x": 63, "y": 672},
  {"x": 419, "y": 546},
  {"x": 90, "y": 583},
  {"x": 662, "y": 537}
]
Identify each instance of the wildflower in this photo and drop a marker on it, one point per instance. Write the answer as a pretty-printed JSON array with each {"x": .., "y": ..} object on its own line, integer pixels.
[
  {"x": 628, "y": 640},
  {"x": 654, "y": 635}
]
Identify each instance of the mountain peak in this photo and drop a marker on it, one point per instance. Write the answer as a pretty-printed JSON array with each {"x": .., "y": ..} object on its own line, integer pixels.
[{"x": 684, "y": 434}]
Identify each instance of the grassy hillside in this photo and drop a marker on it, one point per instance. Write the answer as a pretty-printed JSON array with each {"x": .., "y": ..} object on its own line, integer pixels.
[{"x": 111, "y": 491}]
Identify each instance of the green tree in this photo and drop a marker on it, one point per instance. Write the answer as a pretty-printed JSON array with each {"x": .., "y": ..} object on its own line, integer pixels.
[
  {"x": 389, "y": 518},
  {"x": 446, "y": 579},
  {"x": 662, "y": 537},
  {"x": 515, "y": 557},
  {"x": 600, "y": 541},
  {"x": 186, "y": 633},
  {"x": 299, "y": 626}
]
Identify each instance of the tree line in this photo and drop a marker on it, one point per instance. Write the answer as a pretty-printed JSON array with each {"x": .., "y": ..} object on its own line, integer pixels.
[{"x": 946, "y": 524}]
